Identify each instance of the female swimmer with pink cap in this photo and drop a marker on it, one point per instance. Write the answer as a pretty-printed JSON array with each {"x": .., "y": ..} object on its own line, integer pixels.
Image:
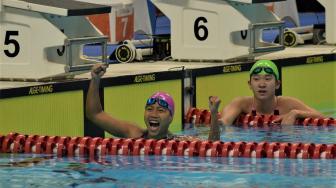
[{"x": 159, "y": 113}]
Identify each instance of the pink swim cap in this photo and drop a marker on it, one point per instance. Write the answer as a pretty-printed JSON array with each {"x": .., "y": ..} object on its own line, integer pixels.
[{"x": 165, "y": 97}]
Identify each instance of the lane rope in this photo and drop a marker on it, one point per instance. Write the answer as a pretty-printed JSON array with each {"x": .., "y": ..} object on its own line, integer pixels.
[
  {"x": 197, "y": 116},
  {"x": 93, "y": 148}
]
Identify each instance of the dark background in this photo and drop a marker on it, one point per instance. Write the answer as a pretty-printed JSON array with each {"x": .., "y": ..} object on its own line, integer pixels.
[{"x": 309, "y": 6}]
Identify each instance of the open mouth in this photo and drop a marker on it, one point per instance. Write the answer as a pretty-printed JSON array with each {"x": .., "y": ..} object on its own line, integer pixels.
[
  {"x": 154, "y": 125},
  {"x": 262, "y": 92}
]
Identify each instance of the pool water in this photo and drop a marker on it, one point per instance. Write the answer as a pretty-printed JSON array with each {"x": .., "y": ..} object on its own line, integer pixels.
[
  {"x": 163, "y": 171},
  {"x": 31, "y": 170},
  {"x": 304, "y": 134}
]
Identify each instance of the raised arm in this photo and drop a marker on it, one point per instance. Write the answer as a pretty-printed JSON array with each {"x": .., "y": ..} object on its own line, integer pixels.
[
  {"x": 214, "y": 133},
  {"x": 95, "y": 113}
]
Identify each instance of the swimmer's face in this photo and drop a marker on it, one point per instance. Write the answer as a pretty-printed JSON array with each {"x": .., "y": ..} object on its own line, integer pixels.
[
  {"x": 157, "y": 119},
  {"x": 263, "y": 86}
]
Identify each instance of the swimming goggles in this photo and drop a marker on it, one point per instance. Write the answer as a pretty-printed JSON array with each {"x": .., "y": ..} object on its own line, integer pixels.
[
  {"x": 268, "y": 70},
  {"x": 161, "y": 102}
]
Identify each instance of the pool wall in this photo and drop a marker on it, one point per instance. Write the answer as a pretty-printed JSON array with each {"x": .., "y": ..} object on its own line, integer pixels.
[
  {"x": 311, "y": 79},
  {"x": 58, "y": 108}
]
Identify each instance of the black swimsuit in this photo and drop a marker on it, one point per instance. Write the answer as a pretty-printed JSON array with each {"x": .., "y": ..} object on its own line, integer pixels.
[
  {"x": 168, "y": 136},
  {"x": 276, "y": 111}
]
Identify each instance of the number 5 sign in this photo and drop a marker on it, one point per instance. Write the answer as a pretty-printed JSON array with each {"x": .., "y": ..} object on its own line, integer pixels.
[{"x": 15, "y": 43}]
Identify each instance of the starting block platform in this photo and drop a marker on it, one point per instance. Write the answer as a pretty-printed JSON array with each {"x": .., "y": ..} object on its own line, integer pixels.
[
  {"x": 256, "y": 1},
  {"x": 44, "y": 39},
  {"x": 58, "y": 7},
  {"x": 149, "y": 67}
]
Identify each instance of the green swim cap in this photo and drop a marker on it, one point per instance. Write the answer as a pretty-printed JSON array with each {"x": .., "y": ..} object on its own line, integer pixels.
[{"x": 265, "y": 67}]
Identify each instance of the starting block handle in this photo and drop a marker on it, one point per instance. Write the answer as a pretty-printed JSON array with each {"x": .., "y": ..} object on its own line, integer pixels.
[
  {"x": 255, "y": 48},
  {"x": 78, "y": 41}
]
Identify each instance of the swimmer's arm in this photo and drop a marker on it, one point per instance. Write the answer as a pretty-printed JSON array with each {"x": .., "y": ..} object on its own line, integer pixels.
[
  {"x": 231, "y": 111},
  {"x": 305, "y": 114},
  {"x": 301, "y": 110},
  {"x": 214, "y": 133},
  {"x": 117, "y": 127},
  {"x": 95, "y": 113},
  {"x": 297, "y": 110}
]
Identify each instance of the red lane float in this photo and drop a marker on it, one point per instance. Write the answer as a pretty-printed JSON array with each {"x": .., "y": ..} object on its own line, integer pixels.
[
  {"x": 73, "y": 146},
  {"x": 99, "y": 147},
  {"x": 40, "y": 144},
  {"x": 273, "y": 150},
  {"x": 105, "y": 146},
  {"x": 62, "y": 145},
  {"x": 19, "y": 143},
  {"x": 203, "y": 117},
  {"x": 139, "y": 145},
  {"x": 51, "y": 144},
  {"x": 205, "y": 148},
  {"x": 30, "y": 144}
]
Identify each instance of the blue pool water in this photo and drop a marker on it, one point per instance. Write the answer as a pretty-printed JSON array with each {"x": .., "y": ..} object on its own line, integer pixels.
[
  {"x": 304, "y": 134},
  {"x": 160, "y": 171},
  {"x": 27, "y": 170}
]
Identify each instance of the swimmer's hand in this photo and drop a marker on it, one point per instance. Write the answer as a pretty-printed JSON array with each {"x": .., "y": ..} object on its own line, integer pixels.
[
  {"x": 98, "y": 70},
  {"x": 214, "y": 102},
  {"x": 286, "y": 119}
]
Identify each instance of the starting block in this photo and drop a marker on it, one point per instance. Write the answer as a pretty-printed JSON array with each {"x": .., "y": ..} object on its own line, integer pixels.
[
  {"x": 219, "y": 29},
  {"x": 330, "y": 7},
  {"x": 299, "y": 35},
  {"x": 117, "y": 25},
  {"x": 43, "y": 40}
]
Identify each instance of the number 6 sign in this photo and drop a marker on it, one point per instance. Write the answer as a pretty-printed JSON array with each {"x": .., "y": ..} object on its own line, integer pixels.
[{"x": 218, "y": 30}]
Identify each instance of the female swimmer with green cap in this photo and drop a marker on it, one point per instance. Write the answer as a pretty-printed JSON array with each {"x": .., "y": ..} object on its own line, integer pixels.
[{"x": 264, "y": 80}]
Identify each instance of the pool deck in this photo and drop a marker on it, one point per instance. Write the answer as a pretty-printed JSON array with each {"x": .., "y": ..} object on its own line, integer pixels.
[{"x": 116, "y": 70}]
